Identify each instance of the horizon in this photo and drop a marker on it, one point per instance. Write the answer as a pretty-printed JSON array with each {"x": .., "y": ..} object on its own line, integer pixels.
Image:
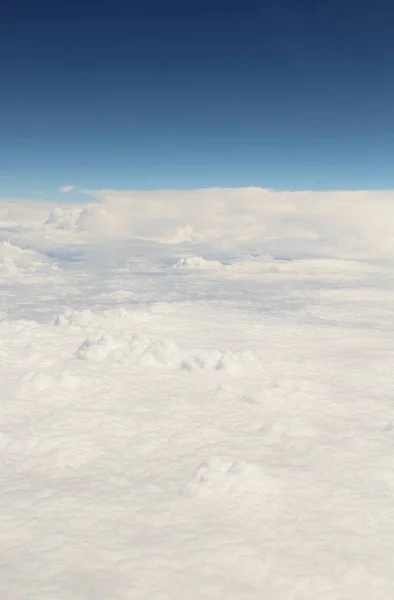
[{"x": 77, "y": 196}]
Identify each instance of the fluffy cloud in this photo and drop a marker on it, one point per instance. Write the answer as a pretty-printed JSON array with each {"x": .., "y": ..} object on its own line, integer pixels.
[
  {"x": 340, "y": 224},
  {"x": 331, "y": 223}
]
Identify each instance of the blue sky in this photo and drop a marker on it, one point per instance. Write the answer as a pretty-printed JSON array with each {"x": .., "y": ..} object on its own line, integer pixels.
[{"x": 287, "y": 94}]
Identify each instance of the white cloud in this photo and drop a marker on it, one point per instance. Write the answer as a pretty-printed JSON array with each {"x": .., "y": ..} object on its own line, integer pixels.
[
  {"x": 66, "y": 189},
  {"x": 347, "y": 224},
  {"x": 340, "y": 224}
]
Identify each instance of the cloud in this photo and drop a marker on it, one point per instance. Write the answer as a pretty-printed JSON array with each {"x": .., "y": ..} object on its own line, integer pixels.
[
  {"x": 345, "y": 224},
  {"x": 331, "y": 224},
  {"x": 66, "y": 189}
]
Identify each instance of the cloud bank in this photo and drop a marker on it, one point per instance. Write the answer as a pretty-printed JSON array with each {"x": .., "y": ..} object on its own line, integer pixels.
[{"x": 345, "y": 224}]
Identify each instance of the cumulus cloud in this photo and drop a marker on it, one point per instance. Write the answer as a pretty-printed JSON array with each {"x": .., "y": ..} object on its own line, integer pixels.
[
  {"x": 341, "y": 224},
  {"x": 66, "y": 189},
  {"x": 331, "y": 223}
]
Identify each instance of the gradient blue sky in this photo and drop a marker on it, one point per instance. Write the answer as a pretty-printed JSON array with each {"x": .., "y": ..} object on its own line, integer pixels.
[{"x": 288, "y": 94}]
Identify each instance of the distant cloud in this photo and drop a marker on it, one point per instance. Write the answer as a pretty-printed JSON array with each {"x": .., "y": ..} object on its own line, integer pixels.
[
  {"x": 340, "y": 224},
  {"x": 66, "y": 189},
  {"x": 355, "y": 225}
]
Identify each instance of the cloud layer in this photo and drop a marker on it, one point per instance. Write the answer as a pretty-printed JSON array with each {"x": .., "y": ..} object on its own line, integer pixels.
[
  {"x": 349, "y": 223},
  {"x": 344, "y": 224}
]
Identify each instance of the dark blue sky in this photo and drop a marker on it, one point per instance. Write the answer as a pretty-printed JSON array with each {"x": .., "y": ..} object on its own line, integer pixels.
[{"x": 114, "y": 93}]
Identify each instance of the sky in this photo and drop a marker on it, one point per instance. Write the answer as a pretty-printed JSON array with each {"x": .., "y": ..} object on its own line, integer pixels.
[{"x": 285, "y": 94}]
